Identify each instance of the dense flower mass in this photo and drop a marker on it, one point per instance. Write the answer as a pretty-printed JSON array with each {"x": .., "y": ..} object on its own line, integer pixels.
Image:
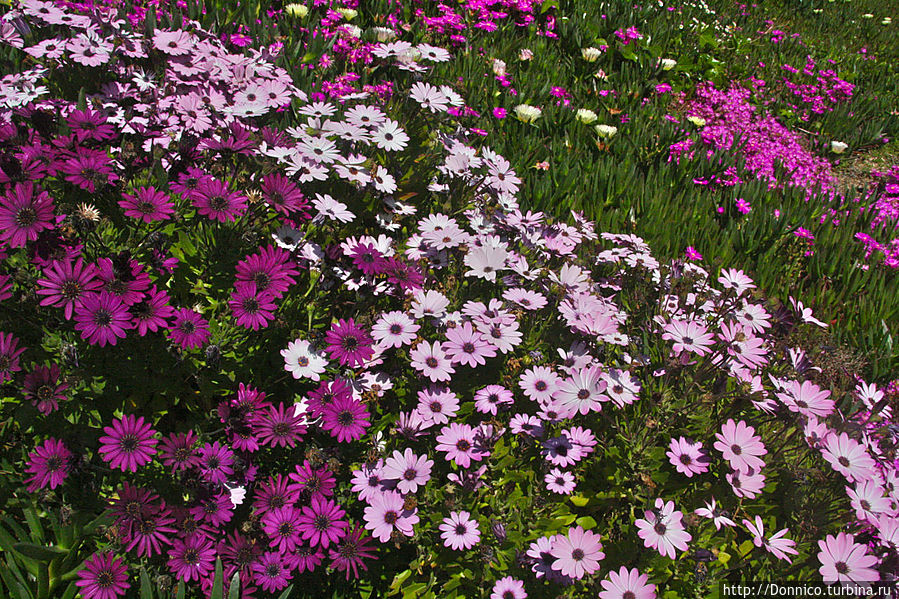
[{"x": 275, "y": 307}]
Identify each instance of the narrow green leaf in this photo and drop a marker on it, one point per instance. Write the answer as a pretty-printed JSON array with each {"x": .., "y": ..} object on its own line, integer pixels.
[
  {"x": 234, "y": 589},
  {"x": 38, "y": 552},
  {"x": 218, "y": 583}
]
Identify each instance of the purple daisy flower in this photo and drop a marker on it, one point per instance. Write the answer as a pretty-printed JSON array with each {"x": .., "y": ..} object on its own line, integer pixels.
[
  {"x": 103, "y": 577},
  {"x": 43, "y": 388},
  {"x": 148, "y": 535},
  {"x": 348, "y": 343},
  {"x": 276, "y": 492},
  {"x": 102, "y": 318},
  {"x": 189, "y": 330},
  {"x": 128, "y": 443},
  {"x": 367, "y": 259},
  {"x": 48, "y": 465},
  {"x": 148, "y": 205},
  {"x": 177, "y": 451},
  {"x": 87, "y": 124},
  {"x": 215, "y": 463},
  {"x": 153, "y": 312},
  {"x": 350, "y": 551},
  {"x": 25, "y": 211},
  {"x": 9, "y": 356},
  {"x": 460, "y": 531},
  {"x": 191, "y": 558},
  {"x": 270, "y": 572},
  {"x": 88, "y": 168},
  {"x": 65, "y": 284},
  {"x": 270, "y": 269},
  {"x": 409, "y": 469},
  {"x": 124, "y": 278},
  {"x": 279, "y": 427},
  {"x": 322, "y": 522},
  {"x": 213, "y": 199},
  {"x": 215, "y": 509},
  {"x": 252, "y": 310},
  {"x": 282, "y": 525},
  {"x": 346, "y": 419},
  {"x": 283, "y": 195},
  {"x": 387, "y": 513},
  {"x": 238, "y": 553},
  {"x": 315, "y": 481}
]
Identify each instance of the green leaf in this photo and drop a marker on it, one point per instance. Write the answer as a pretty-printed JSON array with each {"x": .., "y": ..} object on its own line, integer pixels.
[
  {"x": 586, "y": 522},
  {"x": 286, "y": 593},
  {"x": 579, "y": 501},
  {"x": 234, "y": 589},
  {"x": 181, "y": 590},
  {"x": 218, "y": 583},
  {"x": 146, "y": 589},
  {"x": 38, "y": 552}
]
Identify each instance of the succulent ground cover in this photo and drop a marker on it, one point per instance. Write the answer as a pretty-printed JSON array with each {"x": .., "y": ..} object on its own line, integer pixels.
[{"x": 491, "y": 299}]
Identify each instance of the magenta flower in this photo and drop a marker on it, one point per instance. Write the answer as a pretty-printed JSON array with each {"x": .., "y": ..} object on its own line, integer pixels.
[
  {"x": 578, "y": 553},
  {"x": 740, "y": 446},
  {"x": 189, "y": 330},
  {"x": 387, "y": 513},
  {"x": 128, "y": 443},
  {"x": 459, "y": 531},
  {"x": 346, "y": 419},
  {"x": 271, "y": 572},
  {"x": 844, "y": 561},
  {"x": 48, "y": 465},
  {"x": 271, "y": 269},
  {"x": 104, "y": 577},
  {"x": 87, "y": 124},
  {"x": 283, "y": 195},
  {"x": 191, "y": 558},
  {"x": 350, "y": 552},
  {"x": 661, "y": 529},
  {"x": 102, "y": 318},
  {"x": 215, "y": 462},
  {"x": 746, "y": 484},
  {"x": 88, "y": 168},
  {"x": 43, "y": 388},
  {"x": 149, "y": 534},
  {"x": 148, "y": 205},
  {"x": 9, "y": 356},
  {"x": 153, "y": 312},
  {"x": 322, "y": 522},
  {"x": 177, "y": 451},
  {"x": 282, "y": 525},
  {"x": 25, "y": 211},
  {"x": 275, "y": 493},
  {"x": 213, "y": 199},
  {"x": 348, "y": 343},
  {"x": 688, "y": 458},
  {"x": 252, "y": 310},
  {"x": 279, "y": 427},
  {"x": 627, "y": 584},
  {"x": 65, "y": 284}
]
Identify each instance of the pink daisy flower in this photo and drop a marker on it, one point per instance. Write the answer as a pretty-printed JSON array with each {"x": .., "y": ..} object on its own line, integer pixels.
[
  {"x": 627, "y": 584},
  {"x": 740, "y": 446},
  {"x": 845, "y": 561},
  {"x": 409, "y": 469},
  {"x": 808, "y": 399},
  {"x": 465, "y": 345},
  {"x": 777, "y": 544},
  {"x": 688, "y": 458},
  {"x": 661, "y": 529},
  {"x": 394, "y": 329},
  {"x": 457, "y": 440},
  {"x": 688, "y": 335},
  {"x": 508, "y": 588},
  {"x": 430, "y": 360},
  {"x": 559, "y": 481},
  {"x": 387, "y": 513},
  {"x": 848, "y": 457},
  {"x": 459, "y": 531},
  {"x": 578, "y": 553}
]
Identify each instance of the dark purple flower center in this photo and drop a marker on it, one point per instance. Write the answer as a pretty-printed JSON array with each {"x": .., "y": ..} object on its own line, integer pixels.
[
  {"x": 410, "y": 474},
  {"x": 431, "y": 362},
  {"x": 348, "y": 549},
  {"x": 841, "y": 567},
  {"x": 685, "y": 459},
  {"x": 322, "y": 522},
  {"x": 70, "y": 290},
  {"x": 146, "y": 207},
  {"x": 628, "y": 595},
  {"x": 460, "y": 529},
  {"x": 468, "y": 347},
  {"x": 865, "y": 504},
  {"x": 349, "y": 343},
  {"x": 687, "y": 340},
  {"x": 128, "y": 443},
  {"x": 496, "y": 333},
  {"x": 583, "y": 394},
  {"x": 660, "y": 529},
  {"x": 463, "y": 445},
  {"x": 540, "y": 386},
  {"x": 213, "y": 463},
  {"x": 390, "y": 517},
  {"x": 577, "y": 555},
  {"x": 844, "y": 461},
  {"x": 618, "y": 389},
  {"x": 102, "y": 317},
  {"x": 285, "y": 529},
  {"x": 54, "y": 463},
  {"x": 276, "y": 501},
  {"x": 182, "y": 454},
  {"x": 395, "y": 329},
  {"x": 736, "y": 449},
  {"x": 436, "y": 407},
  {"x": 187, "y": 327},
  {"x": 218, "y": 203},
  {"x": 45, "y": 392},
  {"x": 281, "y": 429},
  {"x": 346, "y": 418},
  {"x": 560, "y": 481},
  {"x": 273, "y": 570},
  {"x": 303, "y": 361},
  {"x": 26, "y": 216},
  {"x": 105, "y": 579},
  {"x": 191, "y": 556},
  {"x": 508, "y": 595}
]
